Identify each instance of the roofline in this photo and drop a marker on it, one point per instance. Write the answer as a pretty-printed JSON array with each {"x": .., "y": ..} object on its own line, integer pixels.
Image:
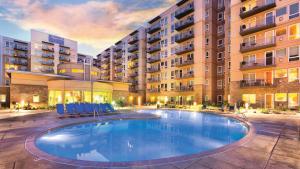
[{"x": 37, "y": 73}]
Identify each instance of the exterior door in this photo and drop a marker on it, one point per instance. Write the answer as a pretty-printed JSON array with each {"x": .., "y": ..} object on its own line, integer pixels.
[
  {"x": 269, "y": 78},
  {"x": 269, "y": 18},
  {"x": 269, "y": 103},
  {"x": 269, "y": 58},
  {"x": 269, "y": 37}
]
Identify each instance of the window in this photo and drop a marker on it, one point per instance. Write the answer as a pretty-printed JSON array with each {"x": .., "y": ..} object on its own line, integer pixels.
[
  {"x": 294, "y": 32},
  {"x": 206, "y": 68},
  {"x": 281, "y": 32},
  {"x": 206, "y": 14},
  {"x": 293, "y": 74},
  {"x": 220, "y": 4},
  {"x": 206, "y": 82},
  {"x": 2, "y": 98},
  {"x": 220, "y": 16},
  {"x": 249, "y": 77},
  {"x": 249, "y": 98},
  {"x": 294, "y": 53},
  {"x": 220, "y": 43},
  {"x": 294, "y": 10},
  {"x": 220, "y": 56},
  {"x": 77, "y": 70},
  {"x": 219, "y": 84},
  {"x": 206, "y": 41},
  {"x": 172, "y": 39},
  {"x": 206, "y": 98},
  {"x": 280, "y": 97},
  {"x": 220, "y": 69},
  {"x": 207, "y": 27},
  {"x": 293, "y": 99},
  {"x": 220, "y": 29},
  {"x": 280, "y": 11},
  {"x": 280, "y": 73},
  {"x": 172, "y": 28},
  {"x": 220, "y": 99},
  {"x": 281, "y": 52},
  {"x": 172, "y": 75},
  {"x": 206, "y": 54},
  {"x": 36, "y": 99}
]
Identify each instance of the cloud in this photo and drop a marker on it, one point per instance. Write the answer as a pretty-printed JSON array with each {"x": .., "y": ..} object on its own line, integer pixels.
[{"x": 95, "y": 23}]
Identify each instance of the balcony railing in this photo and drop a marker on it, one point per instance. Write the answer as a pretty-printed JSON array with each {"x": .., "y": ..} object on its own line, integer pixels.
[
  {"x": 154, "y": 38},
  {"x": 154, "y": 28},
  {"x": 48, "y": 55},
  {"x": 19, "y": 62},
  {"x": 106, "y": 55},
  {"x": 185, "y": 76},
  {"x": 153, "y": 59},
  {"x": 119, "y": 70},
  {"x": 184, "y": 88},
  {"x": 258, "y": 64},
  {"x": 64, "y": 52},
  {"x": 184, "y": 23},
  {"x": 118, "y": 78},
  {"x": 134, "y": 74},
  {"x": 261, "y": 5},
  {"x": 64, "y": 59},
  {"x": 21, "y": 47},
  {"x": 153, "y": 80},
  {"x": 47, "y": 70},
  {"x": 133, "y": 48},
  {"x": 118, "y": 55},
  {"x": 184, "y": 36},
  {"x": 258, "y": 44},
  {"x": 135, "y": 65},
  {"x": 260, "y": 25},
  {"x": 154, "y": 90},
  {"x": 184, "y": 63},
  {"x": 153, "y": 70},
  {"x": 153, "y": 49},
  {"x": 118, "y": 48},
  {"x": 184, "y": 11},
  {"x": 47, "y": 63},
  {"x": 133, "y": 57},
  {"x": 118, "y": 62},
  {"x": 104, "y": 61},
  {"x": 21, "y": 55},
  {"x": 184, "y": 49},
  {"x": 133, "y": 39},
  {"x": 255, "y": 83},
  {"x": 133, "y": 82},
  {"x": 105, "y": 74}
]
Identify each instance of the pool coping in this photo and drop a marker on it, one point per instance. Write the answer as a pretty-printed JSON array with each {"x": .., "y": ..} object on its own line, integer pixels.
[{"x": 41, "y": 155}]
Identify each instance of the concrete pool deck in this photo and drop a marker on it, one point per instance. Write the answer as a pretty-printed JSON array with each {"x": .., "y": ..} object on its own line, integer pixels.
[{"x": 275, "y": 144}]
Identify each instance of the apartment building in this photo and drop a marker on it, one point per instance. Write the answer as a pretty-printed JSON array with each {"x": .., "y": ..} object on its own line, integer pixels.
[
  {"x": 47, "y": 51},
  {"x": 126, "y": 62},
  {"x": 187, "y": 53},
  {"x": 265, "y": 47},
  {"x": 14, "y": 55}
]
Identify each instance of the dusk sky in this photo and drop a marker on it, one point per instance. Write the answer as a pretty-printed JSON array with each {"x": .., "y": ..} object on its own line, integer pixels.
[{"x": 95, "y": 24}]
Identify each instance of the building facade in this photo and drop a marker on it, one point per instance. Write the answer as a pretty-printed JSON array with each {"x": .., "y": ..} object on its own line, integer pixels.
[{"x": 265, "y": 41}]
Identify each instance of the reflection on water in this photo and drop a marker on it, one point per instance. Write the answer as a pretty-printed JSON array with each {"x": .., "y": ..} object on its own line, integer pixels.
[{"x": 176, "y": 133}]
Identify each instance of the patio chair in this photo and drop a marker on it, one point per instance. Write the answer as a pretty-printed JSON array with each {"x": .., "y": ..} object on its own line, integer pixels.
[
  {"x": 60, "y": 109},
  {"x": 103, "y": 108},
  {"x": 71, "y": 109}
]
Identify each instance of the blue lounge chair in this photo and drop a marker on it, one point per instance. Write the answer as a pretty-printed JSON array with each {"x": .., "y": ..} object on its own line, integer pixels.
[
  {"x": 110, "y": 107},
  {"x": 80, "y": 109},
  {"x": 60, "y": 109},
  {"x": 104, "y": 108},
  {"x": 71, "y": 109}
]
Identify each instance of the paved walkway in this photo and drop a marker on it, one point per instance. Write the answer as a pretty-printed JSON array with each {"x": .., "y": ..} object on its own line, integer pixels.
[{"x": 275, "y": 145}]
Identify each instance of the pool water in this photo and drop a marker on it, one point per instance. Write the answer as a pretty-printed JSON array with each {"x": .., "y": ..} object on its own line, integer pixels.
[{"x": 176, "y": 133}]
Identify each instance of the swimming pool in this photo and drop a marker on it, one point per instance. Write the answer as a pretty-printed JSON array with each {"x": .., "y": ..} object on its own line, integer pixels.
[{"x": 176, "y": 133}]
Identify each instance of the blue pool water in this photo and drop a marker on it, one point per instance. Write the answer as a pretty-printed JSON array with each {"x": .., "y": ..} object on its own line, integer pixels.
[{"x": 176, "y": 133}]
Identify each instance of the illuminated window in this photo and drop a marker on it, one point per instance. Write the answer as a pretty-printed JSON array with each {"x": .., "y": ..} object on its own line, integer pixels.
[
  {"x": 293, "y": 99},
  {"x": 294, "y": 53},
  {"x": 94, "y": 73},
  {"x": 280, "y": 97},
  {"x": 294, "y": 32},
  {"x": 77, "y": 70},
  {"x": 249, "y": 98},
  {"x": 62, "y": 71},
  {"x": 281, "y": 32},
  {"x": 281, "y": 73},
  {"x": 2, "y": 98},
  {"x": 294, "y": 10},
  {"x": 293, "y": 74},
  {"x": 36, "y": 99}
]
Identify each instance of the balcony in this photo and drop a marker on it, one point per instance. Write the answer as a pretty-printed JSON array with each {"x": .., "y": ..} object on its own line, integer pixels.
[
  {"x": 153, "y": 70},
  {"x": 184, "y": 63},
  {"x": 106, "y": 74},
  {"x": 260, "y": 25},
  {"x": 64, "y": 51},
  {"x": 180, "y": 13},
  {"x": 64, "y": 59},
  {"x": 48, "y": 56},
  {"x": 184, "y": 88},
  {"x": 261, "y": 5},
  {"x": 132, "y": 89},
  {"x": 118, "y": 55},
  {"x": 134, "y": 74},
  {"x": 48, "y": 48},
  {"x": 47, "y": 63},
  {"x": 184, "y": 49},
  {"x": 255, "y": 83},
  {"x": 19, "y": 62},
  {"x": 133, "y": 39},
  {"x": 21, "y": 55},
  {"x": 133, "y": 82},
  {"x": 133, "y": 48},
  {"x": 154, "y": 90},
  {"x": 184, "y": 36},
  {"x": 153, "y": 80},
  {"x": 118, "y": 62},
  {"x": 118, "y": 48},
  {"x": 154, "y": 28},
  {"x": 119, "y": 70},
  {"x": 184, "y": 24},
  {"x": 133, "y": 57},
  {"x": 257, "y": 44},
  {"x": 105, "y": 68},
  {"x": 258, "y": 64},
  {"x": 106, "y": 55},
  {"x": 154, "y": 38},
  {"x": 153, "y": 49},
  {"x": 134, "y": 66},
  {"x": 47, "y": 70},
  {"x": 104, "y": 61},
  {"x": 185, "y": 76},
  {"x": 21, "y": 47},
  {"x": 153, "y": 59}
]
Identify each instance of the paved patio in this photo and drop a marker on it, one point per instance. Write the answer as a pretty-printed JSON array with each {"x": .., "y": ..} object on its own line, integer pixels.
[{"x": 275, "y": 144}]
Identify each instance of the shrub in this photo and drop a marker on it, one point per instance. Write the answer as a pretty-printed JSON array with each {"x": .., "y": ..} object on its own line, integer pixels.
[{"x": 120, "y": 103}]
